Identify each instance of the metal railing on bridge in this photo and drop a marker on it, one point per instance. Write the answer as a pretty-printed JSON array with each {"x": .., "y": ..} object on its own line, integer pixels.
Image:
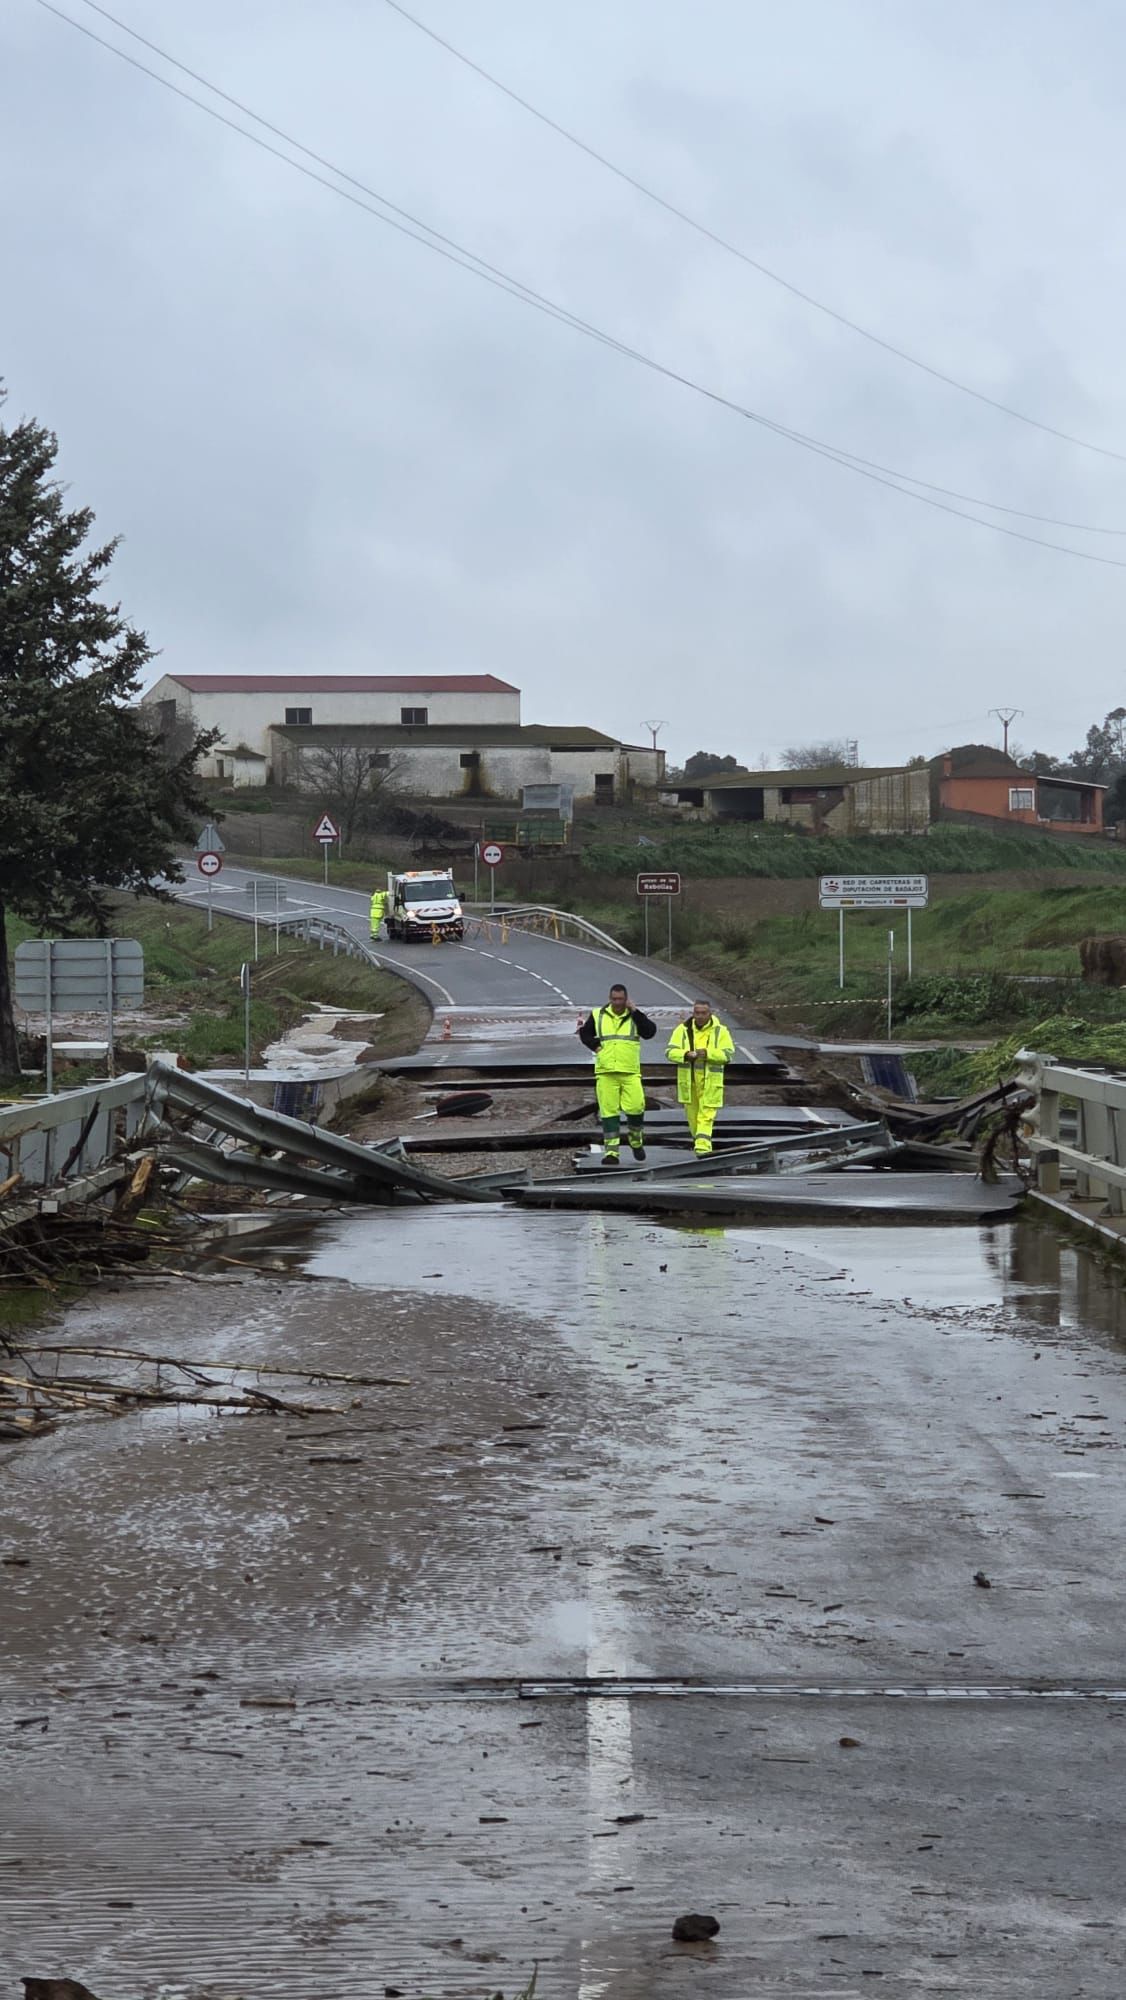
[
  {"x": 49, "y": 1141},
  {"x": 1081, "y": 1105}
]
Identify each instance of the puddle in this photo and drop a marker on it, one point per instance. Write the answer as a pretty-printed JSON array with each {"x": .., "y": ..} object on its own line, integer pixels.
[
  {"x": 1025, "y": 1265},
  {"x": 498, "y": 1255}
]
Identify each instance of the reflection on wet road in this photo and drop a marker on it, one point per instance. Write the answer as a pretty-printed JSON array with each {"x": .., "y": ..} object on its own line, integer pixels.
[{"x": 268, "y": 1728}]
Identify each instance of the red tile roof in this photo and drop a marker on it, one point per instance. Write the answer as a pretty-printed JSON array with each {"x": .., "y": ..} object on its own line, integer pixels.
[{"x": 343, "y": 684}]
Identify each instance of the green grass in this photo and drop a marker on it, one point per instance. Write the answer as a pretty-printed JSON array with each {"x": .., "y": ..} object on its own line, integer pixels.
[
  {"x": 976, "y": 956},
  {"x": 195, "y": 972},
  {"x": 769, "y": 851},
  {"x": 958, "y": 1073},
  {"x": 310, "y": 868}
]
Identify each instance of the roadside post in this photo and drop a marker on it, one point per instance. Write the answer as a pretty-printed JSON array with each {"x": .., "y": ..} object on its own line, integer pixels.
[
  {"x": 326, "y": 831},
  {"x": 244, "y": 982},
  {"x": 209, "y": 850},
  {"x": 871, "y": 892},
  {"x": 891, "y": 957},
  {"x": 666, "y": 885},
  {"x": 492, "y": 854}
]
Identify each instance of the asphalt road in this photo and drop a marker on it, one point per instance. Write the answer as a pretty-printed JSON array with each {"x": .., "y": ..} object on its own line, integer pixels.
[
  {"x": 527, "y": 972},
  {"x": 299, "y": 1708}
]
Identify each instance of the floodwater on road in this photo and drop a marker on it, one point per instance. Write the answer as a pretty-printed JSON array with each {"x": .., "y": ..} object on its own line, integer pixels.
[{"x": 302, "y": 1707}]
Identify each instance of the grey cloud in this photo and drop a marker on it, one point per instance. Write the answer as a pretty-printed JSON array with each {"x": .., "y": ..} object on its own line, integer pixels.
[{"x": 326, "y": 448}]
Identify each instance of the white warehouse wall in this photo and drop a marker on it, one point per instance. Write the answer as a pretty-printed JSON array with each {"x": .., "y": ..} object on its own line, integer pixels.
[{"x": 248, "y": 717}]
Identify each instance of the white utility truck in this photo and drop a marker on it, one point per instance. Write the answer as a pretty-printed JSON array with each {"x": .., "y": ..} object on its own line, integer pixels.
[{"x": 423, "y": 902}]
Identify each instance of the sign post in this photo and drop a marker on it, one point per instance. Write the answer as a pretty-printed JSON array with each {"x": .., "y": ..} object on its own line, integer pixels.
[
  {"x": 666, "y": 885},
  {"x": 872, "y": 892},
  {"x": 209, "y": 860},
  {"x": 492, "y": 854},
  {"x": 326, "y": 831}
]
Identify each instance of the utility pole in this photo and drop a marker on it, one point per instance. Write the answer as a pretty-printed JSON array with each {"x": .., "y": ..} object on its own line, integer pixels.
[
  {"x": 654, "y": 729},
  {"x": 1005, "y": 716}
]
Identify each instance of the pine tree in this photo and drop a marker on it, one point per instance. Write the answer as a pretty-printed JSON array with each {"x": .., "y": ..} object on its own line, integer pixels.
[{"x": 89, "y": 801}]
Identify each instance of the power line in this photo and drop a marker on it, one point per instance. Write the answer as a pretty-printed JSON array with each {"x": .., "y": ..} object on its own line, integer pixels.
[
  {"x": 854, "y": 458},
  {"x": 722, "y": 242},
  {"x": 406, "y": 224}
]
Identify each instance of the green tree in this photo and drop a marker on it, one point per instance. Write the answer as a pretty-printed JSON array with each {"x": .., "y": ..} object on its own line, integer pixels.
[{"x": 89, "y": 803}]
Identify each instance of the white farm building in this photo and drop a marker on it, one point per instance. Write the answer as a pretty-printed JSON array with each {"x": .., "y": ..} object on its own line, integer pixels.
[{"x": 441, "y": 736}]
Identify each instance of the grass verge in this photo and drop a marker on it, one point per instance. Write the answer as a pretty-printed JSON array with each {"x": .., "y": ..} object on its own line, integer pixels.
[{"x": 194, "y": 973}]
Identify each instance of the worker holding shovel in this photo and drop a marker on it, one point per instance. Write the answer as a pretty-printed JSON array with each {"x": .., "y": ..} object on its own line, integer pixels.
[{"x": 701, "y": 1047}]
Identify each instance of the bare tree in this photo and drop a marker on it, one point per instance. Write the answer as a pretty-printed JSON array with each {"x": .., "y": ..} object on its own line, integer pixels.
[
  {"x": 827, "y": 756},
  {"x": 348, "y": 780}
]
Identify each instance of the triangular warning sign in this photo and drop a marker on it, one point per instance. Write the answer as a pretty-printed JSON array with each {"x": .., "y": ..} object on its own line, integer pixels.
[{"x": 326, "y": 829}]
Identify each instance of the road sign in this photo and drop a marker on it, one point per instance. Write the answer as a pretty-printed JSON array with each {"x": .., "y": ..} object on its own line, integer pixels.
[
  {"x": 209, "y": 863},
  {"x": 658, "y": 885},
  {"x": 210, "y": 840},
  {"x": 78, "y": 976},
  {"x": 326, "y": 829},
  {"x": 873, "y": 892},
  {"x": 492, "y": 854},
  {"x": 74, "y": 975}
]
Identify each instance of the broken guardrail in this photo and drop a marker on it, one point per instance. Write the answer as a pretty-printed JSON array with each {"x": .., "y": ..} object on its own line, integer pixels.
[{"x": 289, "y": 1153}]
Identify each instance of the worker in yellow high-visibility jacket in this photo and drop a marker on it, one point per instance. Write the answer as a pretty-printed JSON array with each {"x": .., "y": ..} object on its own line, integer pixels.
[
  {"x": 701, "y": 1047},
  {"x": 615, "y": 1033},
  {"x": 378, "y": 910}
]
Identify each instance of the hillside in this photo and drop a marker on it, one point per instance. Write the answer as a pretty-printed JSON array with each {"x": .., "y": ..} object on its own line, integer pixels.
[{"x": 701, "y": 850}]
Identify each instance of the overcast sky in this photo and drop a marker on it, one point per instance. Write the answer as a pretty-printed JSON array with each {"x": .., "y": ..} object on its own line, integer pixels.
[{"x": 328, "y": 450}]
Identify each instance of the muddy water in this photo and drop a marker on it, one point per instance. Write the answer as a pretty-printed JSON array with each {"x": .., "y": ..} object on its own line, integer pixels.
[{"x": 259, "y": 1729}]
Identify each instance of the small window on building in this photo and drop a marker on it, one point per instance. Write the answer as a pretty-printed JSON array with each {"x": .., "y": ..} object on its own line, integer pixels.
[
  {"x": 604, "y": 785},
  {"x": 1022, "y": 798},
  {"x": 470, "y": 759},
  {"x": 298, "y": 718},
  {"x": 379, "y": 761},
  {"x": 410, "y": 717}
]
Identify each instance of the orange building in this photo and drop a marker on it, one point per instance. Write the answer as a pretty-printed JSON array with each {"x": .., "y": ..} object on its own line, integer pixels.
[{"x": 977, "y": 782}]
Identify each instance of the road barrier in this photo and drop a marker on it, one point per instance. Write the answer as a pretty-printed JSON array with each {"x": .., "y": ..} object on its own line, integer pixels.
[
  {"x": 542, "y": 921},
  {"x": 53, "y": 1140},
  {"x": 1094, "y": 1102}
]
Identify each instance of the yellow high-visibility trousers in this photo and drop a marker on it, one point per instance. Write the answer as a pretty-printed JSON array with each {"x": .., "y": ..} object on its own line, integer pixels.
[
  {"x": 620, "y": 1093},
  {"x": 701, "y": 1116}
]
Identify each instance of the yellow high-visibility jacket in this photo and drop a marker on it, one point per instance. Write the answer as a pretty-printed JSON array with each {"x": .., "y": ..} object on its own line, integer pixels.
[
  {"x": 378, "y": 907},
  {"x": 616, "y": 1039},
  {"x": 686, "y": 1041}
]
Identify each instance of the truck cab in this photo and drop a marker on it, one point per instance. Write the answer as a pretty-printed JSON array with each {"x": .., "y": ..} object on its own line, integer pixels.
[{"x": 421, "y": 903}]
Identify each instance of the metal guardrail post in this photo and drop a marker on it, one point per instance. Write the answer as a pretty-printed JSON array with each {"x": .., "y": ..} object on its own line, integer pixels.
[{"x": 1048, "y": 1159}]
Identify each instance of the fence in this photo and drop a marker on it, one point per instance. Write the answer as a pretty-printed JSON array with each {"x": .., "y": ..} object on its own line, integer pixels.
[
  {"x": 1087, "y": 1106},
  {"x": 543, "y": 921},
  {"x": 67, "y": 1138}
]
